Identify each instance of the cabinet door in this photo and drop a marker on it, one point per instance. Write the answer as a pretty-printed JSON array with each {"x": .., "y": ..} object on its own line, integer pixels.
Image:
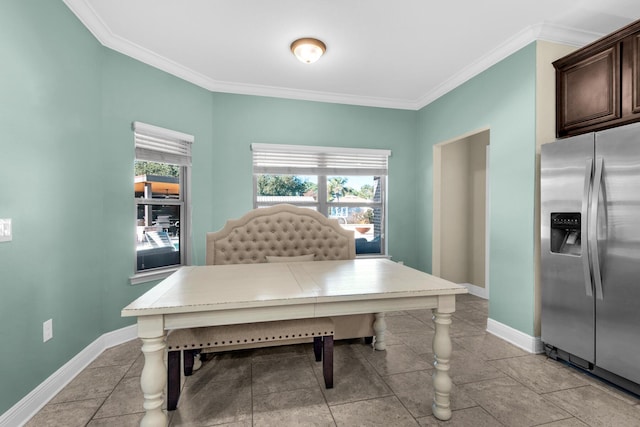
[
  {"x": 631, "y": 76},
  {"x": 588, "y": 91}
]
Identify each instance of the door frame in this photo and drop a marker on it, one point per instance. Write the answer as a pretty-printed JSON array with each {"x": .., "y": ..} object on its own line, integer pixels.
[{"x": 436, "y": 241}]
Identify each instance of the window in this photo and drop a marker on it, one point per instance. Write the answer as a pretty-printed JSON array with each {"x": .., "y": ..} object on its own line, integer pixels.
[
  {"x": 161, "y": 192},
  {"x": 343, "y": 183}
]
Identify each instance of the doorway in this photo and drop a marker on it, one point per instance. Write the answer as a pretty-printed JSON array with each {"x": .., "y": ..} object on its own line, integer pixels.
[{"x": 460, "y": 211}]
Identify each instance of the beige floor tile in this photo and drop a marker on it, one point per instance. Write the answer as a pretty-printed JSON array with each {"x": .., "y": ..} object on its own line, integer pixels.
[
  {"x": 569, "y": 422},
  {"x": 92, "y": 383},
  {"x": 473, "y": 304},
  {"x": 462, "y": 328},
  {"x": 271, "y": 381},
  {"x": 415, "y": 391},
  {"x": 596, "y": 407},
  {"x": 488, "y": 347},
  {"x": 467, "y": 367},
  {"x": 136, "y": 368},
  {"x": 538, "y": 373},
  {"x": 221, "y": 367},
  {"x": 212, "y": 403},
  {"x": 304, "y": 407},
  {"x": 398, "y": 358},
  {"x": 495, "y": 384},
  {"x": 513, "y": 404},
  {"x": 353, "y": 379},
  {"x": 126, "y": 399},
  {"x": 384, "y": 412},
  {"x": 475, "y": 317},
  {"x": 425, "y": 316},
  {"x": 421, "y": 342},
  {"x": 608, "y": 388},
  {"x": 123, "y": 354},
  {"x": 283, "y": 374},
  {"x": 405, "y": 323},
  {"x": 131, "y": 420},
  {"x": 348, "y": 349},
  {"x": 469, "y": 417},
  {"x": 428, "y": 421},
  {"x": 67, "y": 414}
]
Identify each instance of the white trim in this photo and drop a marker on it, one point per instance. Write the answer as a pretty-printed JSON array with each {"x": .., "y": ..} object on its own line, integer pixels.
[
  {"x": 476, "y": 290},
  {"x": 487, "y": 224},
  {"x": 515, "y": 337},
  {"x": 151, "y": 275},
  {"x": 315, "y": 149},
  {"x": 545, "y": 31},
  {"x": 20, "y": 413},
  {"x": 316, "y": 160},
  {"x": 152, "y": 130}
]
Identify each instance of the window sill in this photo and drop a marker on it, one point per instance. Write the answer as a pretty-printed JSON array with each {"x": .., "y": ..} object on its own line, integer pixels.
[
  {"x": 150, "y": 276},
  {"x": 364, "y": 256}
]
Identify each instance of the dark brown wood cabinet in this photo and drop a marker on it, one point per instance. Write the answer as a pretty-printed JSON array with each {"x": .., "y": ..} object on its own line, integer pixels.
[{"x": 598, "y": 86}]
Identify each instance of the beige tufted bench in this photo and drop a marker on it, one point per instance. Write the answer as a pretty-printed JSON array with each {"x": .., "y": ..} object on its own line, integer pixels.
[{"x": 275, "y": 234}]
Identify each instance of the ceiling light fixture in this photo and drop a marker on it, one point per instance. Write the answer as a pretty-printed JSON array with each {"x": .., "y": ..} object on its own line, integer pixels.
[{"x": 308, "y": 50}]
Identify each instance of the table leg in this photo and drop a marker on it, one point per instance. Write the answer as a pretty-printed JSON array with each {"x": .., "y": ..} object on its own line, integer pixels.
[
  {"x": 442, "y": 354},
  {"x": 380, "y": 326},
  {"x": 154, "y": 372}
]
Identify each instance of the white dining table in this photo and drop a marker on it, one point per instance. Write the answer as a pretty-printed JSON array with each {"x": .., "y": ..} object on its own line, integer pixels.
[{"x": 197, "y": 296}]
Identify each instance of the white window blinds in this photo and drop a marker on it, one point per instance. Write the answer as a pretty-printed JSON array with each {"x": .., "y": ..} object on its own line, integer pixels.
[
  {"x": 310, "y": 160},
  {"x": 161, "y": 145}
]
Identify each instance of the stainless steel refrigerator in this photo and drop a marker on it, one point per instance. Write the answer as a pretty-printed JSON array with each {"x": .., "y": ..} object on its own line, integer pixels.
[{"x": 590, "y": 260}]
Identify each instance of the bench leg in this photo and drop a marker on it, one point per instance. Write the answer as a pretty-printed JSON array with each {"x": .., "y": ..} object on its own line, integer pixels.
[
  {"x": 327, "y": 362},
  {"x": 188, "y": 356},
  {"x": 317, "y": 348},
  {"x": 368, "y": 340},
  {"x": 173, "y": 379}
]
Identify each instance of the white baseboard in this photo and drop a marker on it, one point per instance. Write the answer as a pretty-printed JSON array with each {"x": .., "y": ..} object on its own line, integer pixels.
[
  {"x": 515, "y": 337},
  {"x": 29, "y": 405},
  {"x": 476, "y": 290},
  {"x": 507, "y": 333}
]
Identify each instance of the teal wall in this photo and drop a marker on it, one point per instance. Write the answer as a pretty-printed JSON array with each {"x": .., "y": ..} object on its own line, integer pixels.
[
  {"x": 66, "y": 161},
  {"x": 50, "y": 185},
  {"x": 240, "y": 120},
  {"x": 501, "y": 98}
]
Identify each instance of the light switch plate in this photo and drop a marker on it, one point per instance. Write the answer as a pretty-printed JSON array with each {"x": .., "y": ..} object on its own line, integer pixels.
[
  {"x": 47, "y": 330},
  {"x": 5, "y": 230}
]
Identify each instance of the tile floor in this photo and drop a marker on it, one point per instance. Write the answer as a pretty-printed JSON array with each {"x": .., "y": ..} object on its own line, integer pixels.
[{"x": 495, "y": 384}]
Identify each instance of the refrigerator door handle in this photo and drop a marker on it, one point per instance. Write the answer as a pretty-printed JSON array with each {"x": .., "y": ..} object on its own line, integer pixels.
[
  {"x": 584, "y": 227},
  {"x": 593, "y": 223}
]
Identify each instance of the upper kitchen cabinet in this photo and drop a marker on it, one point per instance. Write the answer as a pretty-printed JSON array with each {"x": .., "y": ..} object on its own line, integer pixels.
[{"x": 598, "y": 86}]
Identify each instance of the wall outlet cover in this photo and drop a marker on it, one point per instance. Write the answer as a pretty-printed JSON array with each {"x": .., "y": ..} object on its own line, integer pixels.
[{"x": 5, "y": 230}]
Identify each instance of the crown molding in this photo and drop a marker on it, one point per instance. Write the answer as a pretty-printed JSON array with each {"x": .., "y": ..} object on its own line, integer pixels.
[{"x": 547, "y": 32}]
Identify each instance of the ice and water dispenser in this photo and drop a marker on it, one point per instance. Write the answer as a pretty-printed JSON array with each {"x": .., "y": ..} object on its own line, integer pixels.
[{"x": 565, "y": 233}]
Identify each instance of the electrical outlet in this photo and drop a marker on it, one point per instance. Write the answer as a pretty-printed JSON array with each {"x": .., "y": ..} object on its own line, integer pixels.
[
  {"x": 5, "y": 230},
  {"x": 47, "y": 330}
]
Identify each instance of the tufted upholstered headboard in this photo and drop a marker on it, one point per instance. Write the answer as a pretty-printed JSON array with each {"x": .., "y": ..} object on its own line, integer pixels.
[{"x": 280, "y": 230}]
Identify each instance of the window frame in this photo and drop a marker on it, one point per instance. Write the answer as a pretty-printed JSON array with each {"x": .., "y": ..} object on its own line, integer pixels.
[
  {"x": 325, "y": 162},
  {"x": 170, "y": 147}
]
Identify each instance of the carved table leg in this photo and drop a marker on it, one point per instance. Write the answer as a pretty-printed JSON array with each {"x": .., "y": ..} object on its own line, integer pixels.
[
  {"x": 442, "y": 355},
  {"x": 154, "y": 373},
  {"x": 380, "y": 326}
]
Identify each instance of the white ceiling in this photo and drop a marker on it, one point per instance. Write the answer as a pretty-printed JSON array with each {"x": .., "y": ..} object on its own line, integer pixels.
[{"x": 384, "y": 53}]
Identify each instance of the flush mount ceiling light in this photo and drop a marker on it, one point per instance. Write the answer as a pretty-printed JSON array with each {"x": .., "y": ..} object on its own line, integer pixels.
[{"x": 308, "y": 50}]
